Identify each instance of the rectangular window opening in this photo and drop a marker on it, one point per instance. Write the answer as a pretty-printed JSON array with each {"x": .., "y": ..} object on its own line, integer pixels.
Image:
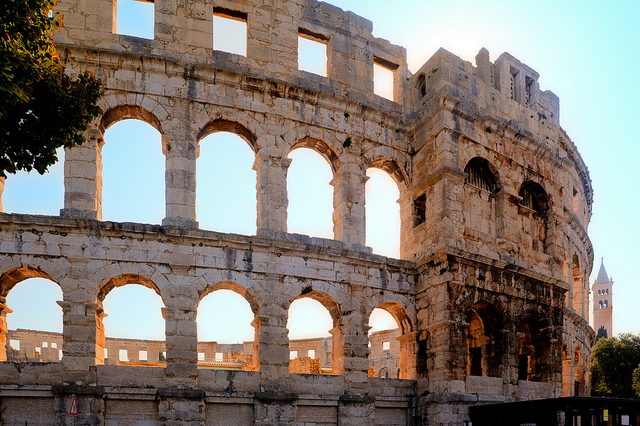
[
  {"x": 293, "y": 354},
  {"x": 419, "y": 210},
  {"x": 200, "y": 356},
  {"x": 230, "y": 31},
  {"x": 134, "y": 18},
  {"x": 312, "y": 52},
  {"x": 219, "y": 357},
  {"x": 311, "y": 353},
  {"x": 142, "y": 356},
  {"x": 45, "y": 344},
  {"x": 386, "y": 346},
  {"x": 106, "y": 353},
  {"x": 123, "y": 355},
  {"x": 576, "y": 202},
  {"x": 383, "y": 77}
]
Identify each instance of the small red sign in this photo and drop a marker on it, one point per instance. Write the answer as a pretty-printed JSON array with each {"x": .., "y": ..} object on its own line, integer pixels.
[{"x": 73, "y": 411}]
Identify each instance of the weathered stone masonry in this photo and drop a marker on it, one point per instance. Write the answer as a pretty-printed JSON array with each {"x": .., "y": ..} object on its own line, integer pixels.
[{"x": 491, "y": 294}]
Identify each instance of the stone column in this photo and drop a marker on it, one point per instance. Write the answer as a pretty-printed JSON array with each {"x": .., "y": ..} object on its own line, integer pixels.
[
  {"x": 180, "y": 181},
  {"x": 407, "y": 355},
  {"x": 83, "y": 340},
  {"x": 274, "y": 402},
  {"x": 83, "y": 178},
  {"x": 356, "y": 407},
  {"x": 182, "y": 341},
  {"x": 4, "y": 310},
  {"x": 568, "y": 272},
  {"x": 348, "y": 204},
  {"x": 272, "y": 193}
]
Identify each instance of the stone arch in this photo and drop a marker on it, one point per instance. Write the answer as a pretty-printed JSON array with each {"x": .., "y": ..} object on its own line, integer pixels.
[
  {"x": 128, "y": 111},
  {"x": 8, "y": 280},
  {"x": 224, "y": 125},
  {"x": 534, "y": 197},
  {"x": 337, "y": 334},
  {"x": 534, "y": 209},
  {"x": 399, "y": 313},
  {"x": 485, "y": 345},
  {"x": 14, "y": 276},
  {"x": 236, "y": 288},
  {"x": 483, "y": 174},
  {"x": 325, "y": 300},
  {"x": 391, "y": 166},
  {"x": 105, "y": 288},
  {"x": 322, "y": 148},
  {"x": 534, "y": 336},
  {"x": 406, "y": 346},
  {"x": 124, "y": 279},
  {"x": 251, "y": 360}
]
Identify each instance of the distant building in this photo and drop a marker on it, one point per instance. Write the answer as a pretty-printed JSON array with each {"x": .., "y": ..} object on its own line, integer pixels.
[{"x": 603, "y": 302}]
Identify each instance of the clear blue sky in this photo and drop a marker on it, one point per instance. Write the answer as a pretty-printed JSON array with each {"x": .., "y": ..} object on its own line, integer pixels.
[{"x": 587, "y": 53}]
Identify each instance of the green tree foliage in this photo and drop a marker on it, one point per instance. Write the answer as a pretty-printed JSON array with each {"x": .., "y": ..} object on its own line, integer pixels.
[
  {"x": 41, "y": 108},
  {"x": 602, "y": 332},
  {"x": 636, "y": 381},
  {"x": 612, "y": 366}
]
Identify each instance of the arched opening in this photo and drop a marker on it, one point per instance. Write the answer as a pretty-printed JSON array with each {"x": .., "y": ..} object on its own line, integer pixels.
[
  {"x": 384, "y": 347},
  {"x": 133, "y": 323},
  {"x": 479, "y": 200},
  {"x": 31, "y": 320},
  {"x": 313, "y": 336},
  {"x": 534, "y": 348},
  {"x": 33, "y": 193},
  {"x": 422, "y": 86},
  {"x": 484, "y": 340},
  {"x": 382, "y": 213},
  {"x": 133, "y": 167},
  {"x": 227, "y": 330},
  {"x": 226, "y": 184},
  {"x": 392, "y": 343},
  {"x": 310, "y": 193},
  {"x": 533, "y": 210}
]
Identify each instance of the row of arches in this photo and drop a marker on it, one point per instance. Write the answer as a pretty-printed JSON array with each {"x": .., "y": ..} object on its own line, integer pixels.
[
  {"x": 488, "y": 350},
  {"x": 487, "y": 342},
  {"x": 227, "y": 193},
  {"x": 131, "y": 310},
  {"x": 482, "y": 212}
]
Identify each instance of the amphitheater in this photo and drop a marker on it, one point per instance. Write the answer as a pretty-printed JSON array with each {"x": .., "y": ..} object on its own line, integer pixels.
[{"x": 490, "y": 292}]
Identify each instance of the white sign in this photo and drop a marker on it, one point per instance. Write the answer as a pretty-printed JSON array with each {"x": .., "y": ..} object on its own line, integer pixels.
[{"x": 624, "y": 419}]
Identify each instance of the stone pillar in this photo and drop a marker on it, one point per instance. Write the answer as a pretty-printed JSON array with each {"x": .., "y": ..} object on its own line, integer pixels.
[
  {"x": 568, "y": 272},
  {"x": 272, "y": 193},
  {"x": 505, "y": 198},
  {"x": 272, "y": 36},
  {"x": 355, "y": 351},
  {"x": 348, "y": 204},
  {"x": 184, "y": 24},
  {"x": 182, "y": 341},
  {"x": 83, "y": 340},
  {"x": 4, "y": 310},
  {"x": 355, "y": 407},
  {"x": 83, "y": 178},
  {"x": 178, "y": 406},
  {"x": 407, "y": 355},
  {"x": 180, "y": 181},
  {"x": 484, "y": 68},
  {"x": 274, "y": 402}
]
